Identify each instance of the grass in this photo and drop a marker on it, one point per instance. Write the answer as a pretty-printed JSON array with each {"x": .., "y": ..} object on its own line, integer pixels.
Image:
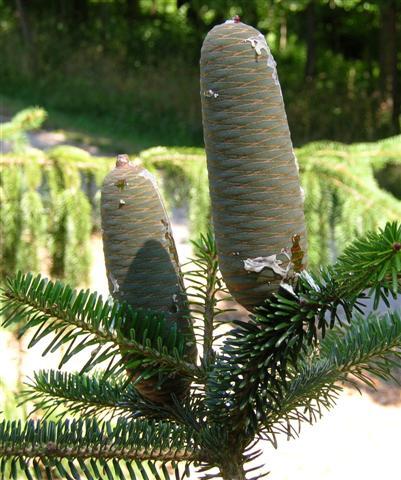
[
  {"x": 135, "y": 108},
  {"x": 106, "y": 134}
]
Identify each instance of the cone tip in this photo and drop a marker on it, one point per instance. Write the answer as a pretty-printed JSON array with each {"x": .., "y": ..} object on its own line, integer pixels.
[
  {"x": 234, "y": 19},
  {"x": 122, "y": 160}
]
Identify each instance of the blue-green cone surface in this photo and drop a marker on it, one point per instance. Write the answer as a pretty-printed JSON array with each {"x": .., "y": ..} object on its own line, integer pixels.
[
  {"x": 141, "y": 260},
  {"x": 257, "y": 203}
]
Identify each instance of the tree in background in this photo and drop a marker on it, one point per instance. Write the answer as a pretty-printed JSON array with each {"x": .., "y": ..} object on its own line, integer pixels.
[
  {"x": 389, "y": 62},
  {"x": 106, "y": 57}
]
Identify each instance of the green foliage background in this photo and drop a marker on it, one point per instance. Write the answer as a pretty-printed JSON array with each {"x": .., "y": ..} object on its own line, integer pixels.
[
  {"x": 50, "y": 200},
  {"x": 131, "y": 66}
]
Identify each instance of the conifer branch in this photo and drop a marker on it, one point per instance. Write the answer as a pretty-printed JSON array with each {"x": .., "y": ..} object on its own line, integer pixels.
[
  {"x": 205, "y": 288},
  {"x": 368, "y": 347},
  {"x": 372, "y": 261},
  {"x": 91, "y": 446},
  {"x": 81, "y": 320},
  {"x": 61, "y": 393}
]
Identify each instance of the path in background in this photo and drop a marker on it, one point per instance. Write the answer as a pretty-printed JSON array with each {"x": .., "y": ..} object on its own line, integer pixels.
[{"x": 357, "y": 440}]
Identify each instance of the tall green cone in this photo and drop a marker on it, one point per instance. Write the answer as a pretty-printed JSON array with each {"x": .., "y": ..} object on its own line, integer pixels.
[
  {"x": 257, "y": 204},
  {"x": 141, "y": 260}
]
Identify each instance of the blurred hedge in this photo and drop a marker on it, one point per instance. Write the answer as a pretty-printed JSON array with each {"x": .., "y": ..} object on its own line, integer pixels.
[{"x": 50, "y": 199}]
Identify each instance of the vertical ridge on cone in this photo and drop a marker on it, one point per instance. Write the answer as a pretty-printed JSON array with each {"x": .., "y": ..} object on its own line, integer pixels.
[
  {"x": 141, "y": 260},
  {"x": 257, "y": 204}
]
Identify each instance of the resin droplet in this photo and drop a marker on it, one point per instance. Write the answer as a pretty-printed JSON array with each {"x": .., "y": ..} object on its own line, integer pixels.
[{"x": 210, "y": 94}]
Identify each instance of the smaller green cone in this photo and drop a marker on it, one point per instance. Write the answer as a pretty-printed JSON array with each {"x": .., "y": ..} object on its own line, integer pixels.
[{"x": 142, "y": 263}]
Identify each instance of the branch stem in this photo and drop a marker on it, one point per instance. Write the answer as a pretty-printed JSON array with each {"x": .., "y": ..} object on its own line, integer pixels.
[
  {"x": 210, "y": 303},
  {"x": 233, "y": 470},
  {"x": 105, "y": 452}
]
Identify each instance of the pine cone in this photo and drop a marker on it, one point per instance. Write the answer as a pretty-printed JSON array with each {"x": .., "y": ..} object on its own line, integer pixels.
[
  {"x": 257, "y": 204},
  {"x": 142, "y": 263}
]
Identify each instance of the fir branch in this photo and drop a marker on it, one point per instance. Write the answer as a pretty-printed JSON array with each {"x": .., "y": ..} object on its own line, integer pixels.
[
  {"x": 205, "y": 288},
  {"x": 258, "y": 354},
  {"x": 87, "y": 396},
  {"x": 81, "y": 320},
  {"x": 61, "y": 392},
  {"x": 349, "y": 182},
  {"x": 15, "y": 130},
  {"x": 372, "y": 261},
  {"x": 370, "y": 346},
  {"x": 91, "y": 446}
]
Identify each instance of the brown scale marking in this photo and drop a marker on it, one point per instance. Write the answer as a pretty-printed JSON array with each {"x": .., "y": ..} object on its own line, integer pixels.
[
  {"x": 255, "y": 216},
  {"x": 233, "y": 103},
  {"x": 257, "y": 223},
  {"x": 290, "y": 163},
  {"x": 247, "y": 175},
  {"x": 252, "y": 90},
  {"x": 253, "y": 118},
  {"x": 232, "y": 148},
  {"x": 273, "y": 172},
  {"x": 276, "y": 239},
  {"x": 260, "y": 113},
  {"x": 251, "y": 201},
  {"x": 222, "y": 49},
  {"x": 246, "y": 71},
  {"x": 260, "y": 158},
  {"x": 232, "y": 182},
  {"x": 235, "y": 141},
  {"x": 254, "y": 166},
  {"x": 252, "y": 84},
  {"x": 248, "y": 94},
  {"x": 231, "y": 106},
  {"x": 243, "y": 68},
  {"x": 248, "y": 129},
  {"x": 234, "y": 170}
]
